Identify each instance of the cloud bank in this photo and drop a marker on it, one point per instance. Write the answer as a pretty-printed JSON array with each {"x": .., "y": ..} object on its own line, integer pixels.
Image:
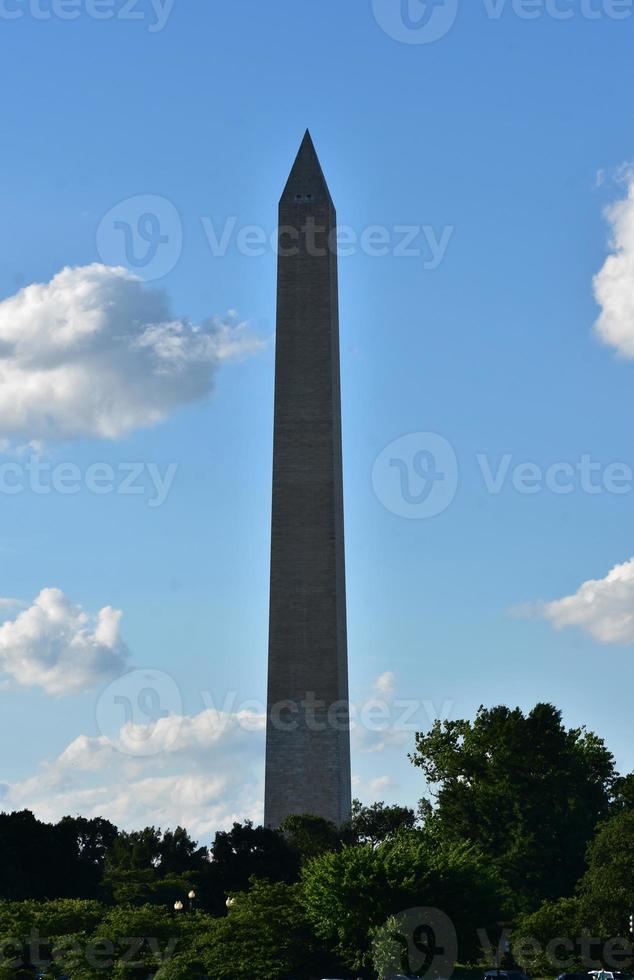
[
  {"x": 604, "y": 608},
  {"x": 56, "y": 646},
  {"x": 96, "y": 353},
  {"x": 203, "y": 775},
  {"x": 614, "y": 284}
]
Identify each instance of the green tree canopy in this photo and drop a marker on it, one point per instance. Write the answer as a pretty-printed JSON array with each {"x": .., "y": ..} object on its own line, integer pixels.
[
  {"x": 545, "y": 942},
  {"x": 352, "y": 893},
  {"x": 527, "y": 790},
  {"x": 374, "y": 824},
  {"x": 267, "y": 935},
  {"x": 243, "y": 853},
  {"x": 152, "y": 866},
  {"x": 606, "y": 891},
  {"x": 310, "y": 836}
]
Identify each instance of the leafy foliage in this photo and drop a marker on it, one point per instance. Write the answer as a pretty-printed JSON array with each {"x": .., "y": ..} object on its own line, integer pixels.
[
  {"x": 527, "y": 790},
  {"x": 349, "y": 894},
  {"x": 530, "y": 819},
  {"x": 310, "y": 836},
  {"x": 606, "y": 891},
  {"x": 374, "y": 824},
  {"x": 269, "y": 935},
  {"x": 544, "y": 942},
  {"x": 151, "y": 866}
]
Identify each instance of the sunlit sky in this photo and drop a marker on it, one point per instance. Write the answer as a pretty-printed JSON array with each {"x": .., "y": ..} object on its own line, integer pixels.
[{"x": 145, "y": 146}]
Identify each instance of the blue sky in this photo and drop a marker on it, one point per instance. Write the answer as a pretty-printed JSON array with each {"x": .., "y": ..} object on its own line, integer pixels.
[{"x": 510, "y": 136}]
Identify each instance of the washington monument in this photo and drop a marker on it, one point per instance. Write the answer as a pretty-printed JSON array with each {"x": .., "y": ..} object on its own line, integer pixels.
[{"x": 308, "y": 737}]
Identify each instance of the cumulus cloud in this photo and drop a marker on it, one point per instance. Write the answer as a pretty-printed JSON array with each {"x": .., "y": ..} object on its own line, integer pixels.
[
  {"x": 95, "y": 352},
  {"x": 604, "y": 608},
  {"x": 614, "y": 284},
  {"x": 55, "y": 645},
  {"x": 189, "y": 780},
  {"x": 385, "y": 684}
]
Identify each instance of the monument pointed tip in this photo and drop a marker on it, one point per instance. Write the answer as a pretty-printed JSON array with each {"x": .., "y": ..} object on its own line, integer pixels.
[{"x": 306, "y": 182}]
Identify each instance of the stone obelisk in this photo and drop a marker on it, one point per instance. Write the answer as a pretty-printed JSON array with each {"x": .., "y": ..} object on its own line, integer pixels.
[{"x": 308, "y": 737}]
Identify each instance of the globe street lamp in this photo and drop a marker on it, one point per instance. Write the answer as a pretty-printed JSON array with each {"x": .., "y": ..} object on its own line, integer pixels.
[
  {"x": 178, "y": 906},
  {"x": 192, "y": 898}
]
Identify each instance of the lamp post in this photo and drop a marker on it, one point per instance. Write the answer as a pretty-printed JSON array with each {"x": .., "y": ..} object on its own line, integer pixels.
[
  {"x": 192, "y": 898},
  {"x": 178, "y": 906}
]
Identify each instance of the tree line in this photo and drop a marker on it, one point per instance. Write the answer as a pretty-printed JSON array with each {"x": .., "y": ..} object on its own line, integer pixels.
[{"x": 526, "y": 826}]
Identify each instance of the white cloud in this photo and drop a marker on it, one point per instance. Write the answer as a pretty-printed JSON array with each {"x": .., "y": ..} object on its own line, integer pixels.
[
  {"x": 381, "y": 784},
  {"x": 9, "y": 603},
  {"x": 385, "y": 684},
  {"x": 604, "y": 608},
  {"x": 614, "y": 284},
  {"x": 55, "y": 645},
  {"x": 95, "y": 352},
  {"x": 192, "y": 780},
  {"x": 375, "y": 721},
  {"x": 373, "y": 789}
]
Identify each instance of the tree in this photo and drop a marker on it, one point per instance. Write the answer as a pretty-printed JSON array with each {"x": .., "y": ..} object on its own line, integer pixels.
[
  {"x": 310, "y": 836},
  {"x": 27, "y": 857},
  {"x": 85, "y": 843},
  {"x": 601, "y": 909},
  {"x": 375, "y": 823},
  {"x": 352, "y": 893},
  {"x": 129, "y": 943},
  {"x": 266, "y": 936},
  {"x": 524, "y": 788},
  {"x": 155, "y": 867},
  {"x": 29, "y": 931},
  {"x": 64, "y": 860},
  {"x": 623, "y": 793},
  {"x": 606, "y": 891},
  {"x": 546, "y": 941},
  {"x": 243, "y": 853},
  {"x": 178, "y": 854},
  {"x": 131, "y": 866}
]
